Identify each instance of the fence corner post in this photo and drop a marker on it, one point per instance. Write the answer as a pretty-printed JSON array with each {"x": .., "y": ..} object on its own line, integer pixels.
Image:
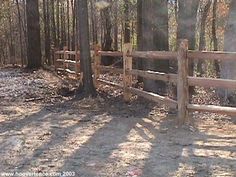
[
  {"x": 97, "y": 63},
  {"x": 182, "y": 88},
  {"x": 65, "y": 57},
  {"x": 127, "y": 66}
]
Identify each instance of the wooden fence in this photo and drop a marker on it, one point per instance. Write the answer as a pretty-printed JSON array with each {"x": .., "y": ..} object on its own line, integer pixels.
[
  {"x": 68, "y": 61},
  {"x": 182, "y": 79},
  {"x": 64, "y": 59}
]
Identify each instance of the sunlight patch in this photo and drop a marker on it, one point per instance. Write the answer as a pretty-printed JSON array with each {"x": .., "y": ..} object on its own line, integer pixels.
[{"x": 102, "y": 5}]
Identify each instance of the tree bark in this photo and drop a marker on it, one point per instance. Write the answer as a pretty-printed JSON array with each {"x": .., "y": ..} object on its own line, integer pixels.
[
  {"x": 107, "y": 38},
  {"x": 116, "y": 26},
  {"x": 11, "y": 43},
  {"x": 20, "y": 31},
  {"x": 85, "y": 57},
  {"x": 33, "y": 34},
  {"x": 127, "y": 22},
  {"x": 58, "y": 23},
  {"x": 53, "y": 22},
  {"x": 46, "y": 32},
  {"x": 187, "y": 18},
  {"x": 214, "y": 36},
  {"x": 139, "y": 35},
  {"x": 73, "y": 24},
  {"x": 228, "y": 70},
  {"x": 68, "y": 24},
  {"x": 202, "y": 41},
  {"x": 155, "y": 37}
]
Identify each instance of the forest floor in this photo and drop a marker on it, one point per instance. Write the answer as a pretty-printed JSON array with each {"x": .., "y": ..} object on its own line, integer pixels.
[{"x": 44, "y": 128}]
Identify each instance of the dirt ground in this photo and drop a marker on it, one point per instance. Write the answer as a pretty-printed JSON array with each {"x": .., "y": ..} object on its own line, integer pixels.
[{"x": 42, "y": 131}]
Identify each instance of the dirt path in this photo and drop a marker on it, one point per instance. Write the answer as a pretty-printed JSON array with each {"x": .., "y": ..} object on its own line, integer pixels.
[{"x": 42, "y": 132}]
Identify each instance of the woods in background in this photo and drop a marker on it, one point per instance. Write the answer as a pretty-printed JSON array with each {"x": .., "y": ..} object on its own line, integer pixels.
[{"x": 31, "y": 29}]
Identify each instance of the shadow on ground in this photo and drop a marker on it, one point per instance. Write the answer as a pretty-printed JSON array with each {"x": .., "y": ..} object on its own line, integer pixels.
[{"x": 106, "y": 137}]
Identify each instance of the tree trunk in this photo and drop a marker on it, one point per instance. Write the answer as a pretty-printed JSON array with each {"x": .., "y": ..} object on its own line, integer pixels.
[
  {"x": 33, "y": 34},
  {"x": 127, "y": 22},
  {"x": 87, "y": 80},
  {"x": 155, "y": 37},
  {"x": 46, "y": 32},
  {"x": 58, "y": 23},
  {"x": 73, "y": 7},
  {"x": 116, "y": 26},
  {"x": 107, "y": 39},
  {"x": 161, "y": 40},
  {"x": 214, "y": 37},
  {"x": 11, "y": 43},
  {"x": 147, "y": 41},
  {"x": 139, "y": 35},
  {"x": 202, "y": 41},
  {"x": 20, "y": 31},
  {"x": 24, "y": 28},
  {"x": 228, "y": 70},
  {"x": 187, "y": 18},
  {"x": 94, "y": 23},
  {"x": 68, "y": 24},
  {"x": 49, "y": 34},
  {"x": 63, "y": 25},
  {"x": 53, "y": 22}
]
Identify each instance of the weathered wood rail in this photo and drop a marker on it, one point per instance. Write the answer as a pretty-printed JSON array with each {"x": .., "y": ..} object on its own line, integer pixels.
[
  {"x": 182, "y": 79},
  {"x": 68, "y": 61}
]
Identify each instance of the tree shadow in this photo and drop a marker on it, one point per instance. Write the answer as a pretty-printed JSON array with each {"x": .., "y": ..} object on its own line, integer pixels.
[
  {"x": 183, "y": 152},
  {"x": 117, "y": 137},
  {"x": 116, "y": 117}
]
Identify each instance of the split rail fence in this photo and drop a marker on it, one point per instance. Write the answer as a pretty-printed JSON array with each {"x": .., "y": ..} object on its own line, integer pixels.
[
  {"x": 68, "y": 61},
  {"x": 182, "y": 79}
]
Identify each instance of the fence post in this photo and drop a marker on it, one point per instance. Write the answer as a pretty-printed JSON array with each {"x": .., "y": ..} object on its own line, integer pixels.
[
  {"x": 55, "y": 57},
  {"x": 77, "y": 62},
  {"x": 182, "y": 88},
  {"x": 65, "y": 57},
  {"x": 127, "y": 65},
  {"x": 97, "y": 63}
]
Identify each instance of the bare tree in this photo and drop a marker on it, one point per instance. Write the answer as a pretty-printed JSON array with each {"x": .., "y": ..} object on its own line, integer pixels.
[
  {"x": 33, "y": 34},
  {"x": 86, "y": 86}
]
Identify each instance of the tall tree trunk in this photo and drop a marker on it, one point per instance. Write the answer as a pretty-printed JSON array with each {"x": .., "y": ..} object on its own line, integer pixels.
[
  {"x": 155, "y": 37},
  {"x": 11, "y": 43},
  {"x": 127, "y": 22},
  {"x": 161, "y": 39},
  {"x": 58, "y": 23},
  {"x": 20, "y": 31},
  {"x": 63, "y": 25},
  {"x": 73, "y": 24},
  {"x": 202, "y": 41},
  {"x": 68, "y": 24},
  {"x": 107, "y": 39},
  {"x": 214, "y": 37},
  {"x": 86, "y": 68},
  {"x": 33, "y": 34},
  {"x": 46, "y": 31},
  {"x": 93, "y": 23},
  {"x": 116, "y": 26},
  {"x": 228, "y": 70},
  {"x": 49, "y": 34},
  {"x": 139, "y": 36},
  {"x": 107, "y": 43},
  {"x": 24, "y": 27},
  {"x": 187, "y": 19},
  {"x": 53, "y": 22}
]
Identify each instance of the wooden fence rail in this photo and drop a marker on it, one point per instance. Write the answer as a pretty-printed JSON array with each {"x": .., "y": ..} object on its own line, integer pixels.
[
  {"x": 182, "y": 79},
  {"x": 64, "y": 59}
]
